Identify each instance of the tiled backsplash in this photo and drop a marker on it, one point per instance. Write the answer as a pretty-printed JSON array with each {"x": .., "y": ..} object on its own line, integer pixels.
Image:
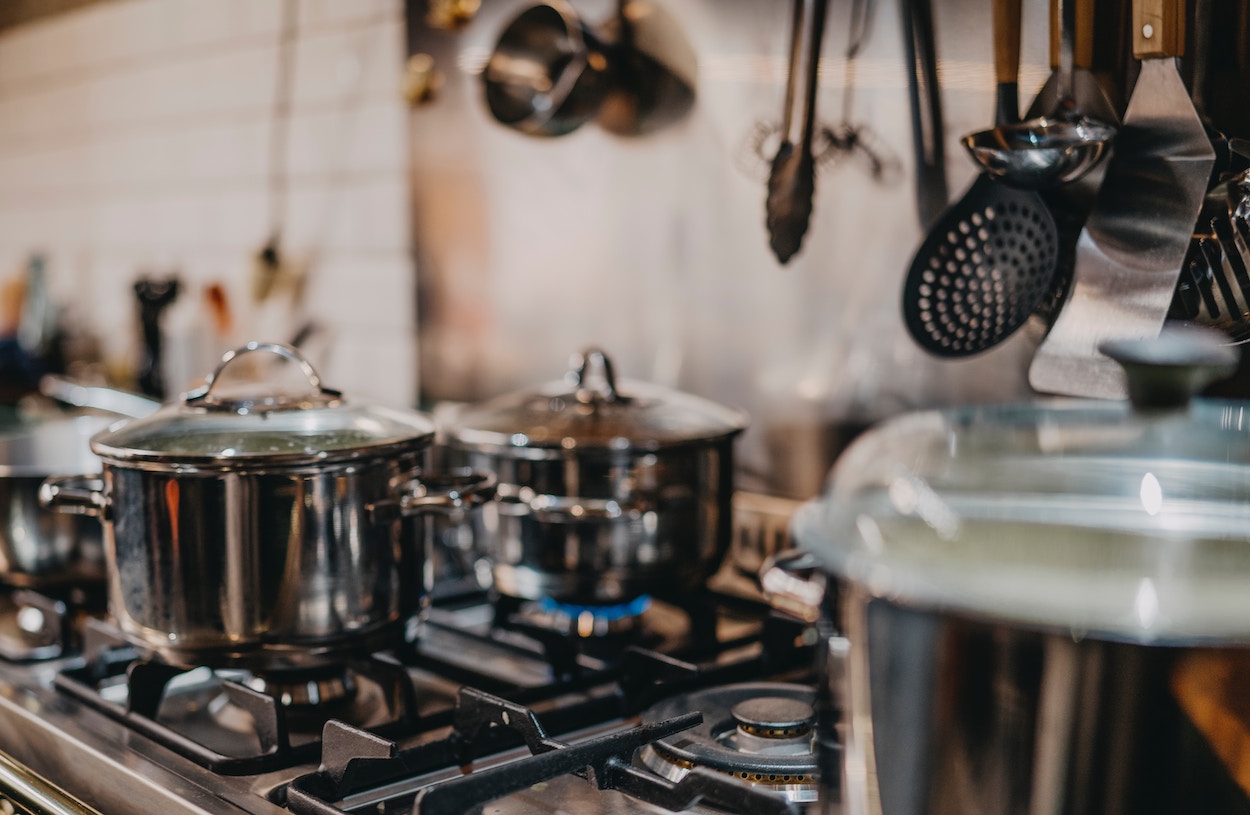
[{"x": 135, "y": 136}]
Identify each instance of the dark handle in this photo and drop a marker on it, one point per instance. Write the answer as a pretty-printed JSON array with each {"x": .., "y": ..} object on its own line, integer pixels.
[
  {"x": 1164, "y": 373},
  {"x": 926, "y": 110}
]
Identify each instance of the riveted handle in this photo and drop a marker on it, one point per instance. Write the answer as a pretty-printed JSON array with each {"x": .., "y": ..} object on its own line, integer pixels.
[
  {"x": 1158, "y": 28},
  {"x": 317, "y": 393}
]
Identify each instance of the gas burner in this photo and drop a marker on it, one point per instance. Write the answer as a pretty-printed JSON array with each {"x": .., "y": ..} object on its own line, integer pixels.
[
  {"x": 588, "y": 621},
  {"x": 318, "y": 689},
  {"x": 758, "y": 732}
]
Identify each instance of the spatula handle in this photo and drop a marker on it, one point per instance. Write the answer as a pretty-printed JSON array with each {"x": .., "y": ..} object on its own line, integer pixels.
[{"x": 1158, "y": 28}]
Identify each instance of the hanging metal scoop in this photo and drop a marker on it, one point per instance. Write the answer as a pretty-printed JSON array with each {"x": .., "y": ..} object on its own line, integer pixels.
[
  {"x": 1057, "y": 148},
  {"x": 791, "y": 183}
]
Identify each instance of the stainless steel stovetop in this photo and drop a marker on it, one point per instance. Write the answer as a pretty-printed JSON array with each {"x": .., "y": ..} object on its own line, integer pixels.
[{"x": 490, "y": 711}]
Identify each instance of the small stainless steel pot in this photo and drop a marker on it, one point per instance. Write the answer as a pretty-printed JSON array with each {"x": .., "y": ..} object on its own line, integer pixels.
[
  {"x": 265, "y": 530},
  {"x": 39, "y": 547},
  {"x": 605, "y": 493},
  {"x": 1006, "y": 596}
]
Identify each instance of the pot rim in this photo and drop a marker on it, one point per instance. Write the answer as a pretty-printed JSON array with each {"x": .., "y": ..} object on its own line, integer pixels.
[
  {"x": 255, "y": 463},
  {"x": 520, "y": 446}
]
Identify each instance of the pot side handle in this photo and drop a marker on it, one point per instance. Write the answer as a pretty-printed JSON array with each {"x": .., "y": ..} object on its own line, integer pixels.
[
  {"x": 443, "y": 493},
  {"x": 517, "y": 500},
  {"x": 794, "y": 584},
  {"x": 75, "y": 495}
]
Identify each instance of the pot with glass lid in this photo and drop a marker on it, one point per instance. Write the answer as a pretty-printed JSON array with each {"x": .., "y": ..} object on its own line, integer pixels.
[
  {"x": 1013, "y": 596},
  {"x": 267, "y": 521},
  {"x": 608, "y": 490}
]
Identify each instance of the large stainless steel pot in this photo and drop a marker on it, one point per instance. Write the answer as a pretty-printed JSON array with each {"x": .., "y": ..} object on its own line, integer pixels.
[
  {"x": 606, "y": 493},
  {"x": 264, "y": 528},
  {"x": 1011, "y": 589}
]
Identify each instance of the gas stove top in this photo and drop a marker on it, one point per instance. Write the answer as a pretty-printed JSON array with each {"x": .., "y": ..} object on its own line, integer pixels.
[{"x": 704, "y": 706}]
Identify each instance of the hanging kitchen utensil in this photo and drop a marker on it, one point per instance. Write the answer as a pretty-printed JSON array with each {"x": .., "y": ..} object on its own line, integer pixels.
[
  {"x": 988, "y": 262},
  {"x": 1130, "y": 253},
  {"x": 1089, "y": 94},
  {"x": 925, "y": 96},
  {"x": 654, "y": 73},
  {"x": 1057, "y": 148},
  {"x": 155, "y": 297},
  {"x": 791, "y": 183},
  {"x": 548, "y": 74},
  {"x": 850, "y": 139},
  {"x": 268, "y": 267}
]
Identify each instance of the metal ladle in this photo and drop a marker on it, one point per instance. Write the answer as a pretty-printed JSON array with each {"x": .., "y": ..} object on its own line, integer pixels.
[{"x": 1049, "y": 150}]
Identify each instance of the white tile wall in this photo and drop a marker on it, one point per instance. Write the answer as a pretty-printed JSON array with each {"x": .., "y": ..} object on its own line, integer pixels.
[{"x": 135, "y": 136}]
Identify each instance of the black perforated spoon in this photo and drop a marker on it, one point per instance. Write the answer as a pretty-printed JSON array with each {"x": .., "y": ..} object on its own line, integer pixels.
[{"x": 989, "y": 262}]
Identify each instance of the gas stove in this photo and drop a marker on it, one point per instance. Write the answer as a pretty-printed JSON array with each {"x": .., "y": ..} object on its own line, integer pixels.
[{"x": 703, "y": 705}]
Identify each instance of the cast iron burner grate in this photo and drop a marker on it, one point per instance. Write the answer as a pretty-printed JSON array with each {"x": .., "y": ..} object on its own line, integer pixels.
[
  {"x": 223, "y": 723},
  {"x": 42, "y": 625},
  {"x": 354, "y": 761},
  {"x": 414, "y": 689}
]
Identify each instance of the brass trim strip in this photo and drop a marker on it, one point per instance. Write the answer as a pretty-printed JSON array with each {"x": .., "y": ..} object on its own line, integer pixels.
[{"x": 29, "y": 793}]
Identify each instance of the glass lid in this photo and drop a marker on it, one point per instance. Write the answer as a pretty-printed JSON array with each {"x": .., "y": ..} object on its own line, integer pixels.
[
  {"x": 1106, "y": 519},
  {"x": 587, "y": 409},
  {"x": 260, "y": 415}
]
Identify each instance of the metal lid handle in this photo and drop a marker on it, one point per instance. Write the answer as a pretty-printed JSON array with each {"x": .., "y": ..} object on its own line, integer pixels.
[
  {"x": 1164, "y": 373},
  {"x": 317, "y": 393},
  {"x": 591, "y": 373}
]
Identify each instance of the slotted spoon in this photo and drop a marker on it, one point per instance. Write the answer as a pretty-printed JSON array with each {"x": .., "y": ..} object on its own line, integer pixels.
[{"x": 988, "y": 262}]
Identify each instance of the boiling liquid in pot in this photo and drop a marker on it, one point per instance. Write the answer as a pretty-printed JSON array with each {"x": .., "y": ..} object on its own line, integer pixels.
[{"x": 259, "y": 443}]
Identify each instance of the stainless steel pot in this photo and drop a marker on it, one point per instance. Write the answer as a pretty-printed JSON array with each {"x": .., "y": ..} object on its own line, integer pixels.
[
  {"x": 1011, "y": 589},
  {"x": 38, "y": 547},
  {"x": 264, "y": 529},
  {"x": 605, "y": 493}
]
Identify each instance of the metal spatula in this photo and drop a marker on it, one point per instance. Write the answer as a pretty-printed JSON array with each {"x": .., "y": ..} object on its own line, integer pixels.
[{"x": 1129, "y": 254}]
